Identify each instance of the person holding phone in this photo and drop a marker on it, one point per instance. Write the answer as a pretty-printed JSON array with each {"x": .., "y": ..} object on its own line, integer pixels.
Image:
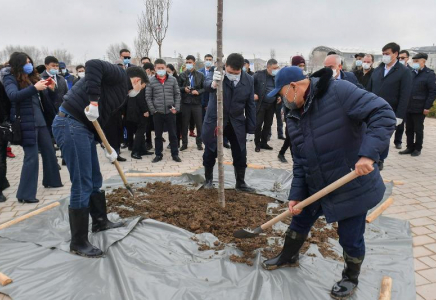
[{"x": 32, "y": 101}]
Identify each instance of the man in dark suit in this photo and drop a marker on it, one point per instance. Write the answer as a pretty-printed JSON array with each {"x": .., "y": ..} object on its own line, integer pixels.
[
  {"x": 334, "y": 62},
  {"x": 208, "y": 68},
  {"x": 393, "y": 82}
]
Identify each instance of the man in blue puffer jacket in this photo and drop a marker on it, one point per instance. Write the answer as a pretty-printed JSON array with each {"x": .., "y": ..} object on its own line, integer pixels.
[{"x": 334, "y": 127}]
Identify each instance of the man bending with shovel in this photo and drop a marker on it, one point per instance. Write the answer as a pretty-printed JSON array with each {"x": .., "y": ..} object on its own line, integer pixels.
[
  {"x": 334, "y": 127},
  {"x": 99, "y": 95}
]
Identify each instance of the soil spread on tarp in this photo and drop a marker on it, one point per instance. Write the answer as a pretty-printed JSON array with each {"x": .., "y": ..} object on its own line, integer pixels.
[{"x": 199, "y": 211}]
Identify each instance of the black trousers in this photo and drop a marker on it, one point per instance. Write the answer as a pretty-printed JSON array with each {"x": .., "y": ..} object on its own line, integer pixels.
[
  {"x": 138, "y": 145},
  {"x": 286, "y": 143},
  {"x": 4, "y": 183},
  {"x": 264, "y": 117},
  {"x": 415, "y": 130},
  {"x": 192, "y": 124},
  {"x": 131, "y": 128},
  {"x": 169, "y": 121},
  {"x": 150, "y": 127},
  {"x": 239, "y": 156},
  {"x": 399, "y": 134},
  {"x": 194, "y": 111},
  {"x": 179, "y": 119}
]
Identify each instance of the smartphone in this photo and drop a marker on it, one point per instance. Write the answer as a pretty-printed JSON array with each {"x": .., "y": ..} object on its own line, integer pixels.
[{"x": 49, "y": 81}]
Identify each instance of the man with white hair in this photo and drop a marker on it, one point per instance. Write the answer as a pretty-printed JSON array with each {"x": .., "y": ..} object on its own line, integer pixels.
[{"x": 334, "y": 62}]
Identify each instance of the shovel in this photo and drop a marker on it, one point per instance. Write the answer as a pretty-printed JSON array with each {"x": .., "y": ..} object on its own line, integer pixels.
[
  {"x": 249, "y": 233},
  {"x": 109, "y": 150}
]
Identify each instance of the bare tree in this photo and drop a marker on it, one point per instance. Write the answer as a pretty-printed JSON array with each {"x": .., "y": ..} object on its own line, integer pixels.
[
  {"x": 63, "y": 55},
  {"x": 273, "y": 53},
  {"x": 144, "y": 40},
  {"x": 157, "y": 16},
  {"x": 32, "y": 51},
  {"x": 113, "y": 51},
  {"x": 219, "y": 46}
]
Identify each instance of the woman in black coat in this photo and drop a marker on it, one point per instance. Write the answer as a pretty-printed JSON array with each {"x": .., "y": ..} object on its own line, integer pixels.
[
  {"x": 33, "y": 102},
  {"x": 5, "y": 107}
]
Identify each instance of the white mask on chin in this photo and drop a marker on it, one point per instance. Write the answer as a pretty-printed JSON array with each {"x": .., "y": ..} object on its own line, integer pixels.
[{"x": 334, "y": 73}]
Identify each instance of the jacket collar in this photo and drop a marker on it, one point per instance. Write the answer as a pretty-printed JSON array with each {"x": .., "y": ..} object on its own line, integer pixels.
[{"x": 297, "y": 114}]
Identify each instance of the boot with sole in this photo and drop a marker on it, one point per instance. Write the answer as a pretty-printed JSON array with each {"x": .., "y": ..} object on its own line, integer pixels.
[
  {"x": 208, "y": 175},
  {"x": 98, "y": 212},
  {"x": 241, "y": 186},
  {"x": 80, "y": 245},
  {"x": 290, "y": 253},
  {"x": 346, "y": 287}
]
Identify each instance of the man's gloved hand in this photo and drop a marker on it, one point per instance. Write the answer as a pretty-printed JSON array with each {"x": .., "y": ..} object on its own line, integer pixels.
[
  {"x": 92, "y": 112},
  {"x": 250, "y": 137},
  {"x": 399, "y": 121},
  {"x": 112, "y": 157},
  {"x": 216, "y": 77}
]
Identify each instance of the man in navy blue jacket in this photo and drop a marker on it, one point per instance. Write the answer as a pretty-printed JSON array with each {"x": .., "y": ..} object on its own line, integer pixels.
[
  {"x": 334, "y": 126},
  {"x": 208, "y": 68}
]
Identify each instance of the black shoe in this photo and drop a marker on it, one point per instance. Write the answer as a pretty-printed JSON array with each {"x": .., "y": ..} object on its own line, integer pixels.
[
  {"x": 282, "y": 158},
  {"x": 136, "y": 156},
  {"x": 380, "y": 165},
  {"x": 98, "y": 212},
  {"x": 266, "y": 147},
  {"x": 241, "y": 186},
  {"x": 348, "y": 284},
  {"x": 28, "y": 201},
  {"x": 281, "y": 137},
  {"x": 290, "y": 253},
  {"x": 208, "y": 176},
  {"x": 184, "y": 147},
  {"x": 119, "y": 158},
  {"x": 226, "y": 145},
  {"x": 53, "y": 187},
  {"x": 146, "y": 152},
  {"x": 149, "y": 146},
  {"x": 80, "y": 245},
  {"x": 123, "y": 146},
  {"x": 407, "y": 151},
  {"x": 398, "y": 146},
  {"x": 416, "y": 153},
  {"x": 2, "y": 197},
  {"x": 157, "y": 158},
  {"x": 200, "y": 147},
  {"x": 63, "y": 162},
  {"x": 257, "y": 149},
  {"x": 177, "y": 159}
]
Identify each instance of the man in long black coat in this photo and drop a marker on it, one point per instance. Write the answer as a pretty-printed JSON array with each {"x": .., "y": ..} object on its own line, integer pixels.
[{"x": 239, "y": 119}]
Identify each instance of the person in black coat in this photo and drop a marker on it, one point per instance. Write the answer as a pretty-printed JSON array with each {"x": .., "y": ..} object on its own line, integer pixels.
[
  {"x": 239, "y": 119},
  {"x": 33, "y": 101},
  {"x": 334, "y": 62},
  {"x": 393, "y": 82},
  {"x": 421, "y": 100},
  {"x": 5, "y": 110},
  {"x": 98, "y": 96}
]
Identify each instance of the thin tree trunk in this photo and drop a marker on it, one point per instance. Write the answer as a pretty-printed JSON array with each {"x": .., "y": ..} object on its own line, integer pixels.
[
  {"x": 160, "y": 50},
  {"x": 219, "y": 42}
]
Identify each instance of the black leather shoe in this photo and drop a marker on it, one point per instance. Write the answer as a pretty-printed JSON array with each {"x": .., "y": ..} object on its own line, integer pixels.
[
  {"x": 98, "y": 212},
  {"x": 266, "y": 147},
  {"x": 157, "y": 158},
  {"x": 2, "y": 197},
  {"x": 348, "y": 284},
  {"x": 200, "y": 147},
  {"x": 241, "y": 186},
  {"x": 281, "y": 137},
  {"x": 184, "y": 147},
  {"x": 416, "y": 153},
  {"x": 257, "y": 149},
  {"x": 407, "y": 151},
  {"x": 53, "y": 187},
  {"x": 146, "y": 153},
  {"x": 136, "y": 156},
  {"x": 149, "y": 146},
  {"x": 177, "y": 159},
  {"x": 119, "y": 158},
  {"x": 208, "y": 176},
  {"x": 226, "y": 145},
  {"x": 282, "y": 158},
  {"x": 398, "y": 146},
  {"x": 28, "y": 201}
]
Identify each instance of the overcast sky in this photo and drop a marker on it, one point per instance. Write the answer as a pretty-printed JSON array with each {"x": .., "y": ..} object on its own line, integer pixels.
[{"x": 87, "y": 27}]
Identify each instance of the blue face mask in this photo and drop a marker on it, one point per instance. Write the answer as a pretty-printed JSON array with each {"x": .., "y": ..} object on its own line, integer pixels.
[
  {"x": 28, "y": 68},
  {"x": 244, "y": 69},
  {"x": 208, "y": 63},
  {"x": 274, "y": 72},
  {"x": 126, "y": 61},
  {"x": 358, "y": 63},
  {"x": 416, "y": 66},
  {"x": 54, "y": 72},
  {"x": 189, "y": 66},
  {"x": 161, "y": 73}
]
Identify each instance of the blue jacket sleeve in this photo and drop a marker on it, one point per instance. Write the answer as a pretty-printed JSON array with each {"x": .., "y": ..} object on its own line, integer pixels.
[
  {"x": 431, "y": 84},
  {"x": 250, "y": 112},
  {"x": 14, "y": 94},
  {"x": 208, "y": 83},
  {"x": 366, "y": 107},
  {"x": 299, "y": 190}
]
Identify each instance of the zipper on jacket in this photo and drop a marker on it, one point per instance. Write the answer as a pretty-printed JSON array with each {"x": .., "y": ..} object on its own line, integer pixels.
[{"x": 165, "y": 103}]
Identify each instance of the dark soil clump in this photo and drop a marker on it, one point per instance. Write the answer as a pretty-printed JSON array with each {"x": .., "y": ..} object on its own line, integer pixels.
[{"x": 198, "y": 211}]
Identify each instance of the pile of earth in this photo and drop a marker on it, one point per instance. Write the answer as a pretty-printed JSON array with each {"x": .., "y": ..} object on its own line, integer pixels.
[{"x": 199, "y": 211}]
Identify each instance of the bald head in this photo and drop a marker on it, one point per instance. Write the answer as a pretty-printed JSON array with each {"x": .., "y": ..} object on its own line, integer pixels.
[{"x": 333, "y": 62}]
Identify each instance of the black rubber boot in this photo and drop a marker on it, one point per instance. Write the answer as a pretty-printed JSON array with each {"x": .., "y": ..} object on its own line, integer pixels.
[
  {"x": 98, "y": 212},
  {"x": 241, "y": 186},
  {"x": 208, "y": 175},
  {"x": 348, "y": 284},
  {"x": 79, "y": 220},
  {"x": 290, "y": 252}
]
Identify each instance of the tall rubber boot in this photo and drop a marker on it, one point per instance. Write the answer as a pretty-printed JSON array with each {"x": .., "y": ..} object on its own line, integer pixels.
[
  {"x": 241, "y": 186},
  {"x": 97, "y": 209},
  {"x": 348, "y": 284},
  {"x": 80, "y": 245},
  {"x": 290, "y": 253},
  {"x": 208, "y": 175}
]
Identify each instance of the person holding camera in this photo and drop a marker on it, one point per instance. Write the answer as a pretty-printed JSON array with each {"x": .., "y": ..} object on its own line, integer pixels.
[{"x": 32, "y": 102}]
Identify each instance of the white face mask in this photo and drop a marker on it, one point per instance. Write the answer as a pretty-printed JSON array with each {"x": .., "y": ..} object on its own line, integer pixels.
[
  {"x": 403, "y": 62},
  {"x": 133, "y": 93},
  {"x": 366, "y": 66},
  {"x": 81, "y": 74},
  {"x": 233, "y": 77},
  {"x": 386, "y": 59},
  {"x": 334, "y": 73}
]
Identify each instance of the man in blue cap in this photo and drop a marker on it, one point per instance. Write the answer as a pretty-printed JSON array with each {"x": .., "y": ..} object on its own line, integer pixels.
[
  {"x": 68, "y": 77},
  {"x": 333, "y": 127}
]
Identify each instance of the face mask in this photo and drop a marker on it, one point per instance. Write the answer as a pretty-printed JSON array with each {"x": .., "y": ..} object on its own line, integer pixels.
[
  {"x": 334, "y": 73},
  {"x": 133, "y": 93},
  {"x": 208, "y": 63},
  {"x": 189, "y": 66},
  {"x": 233, "y": 77},
  {"x": 28, "y": 68},
  {"x": 358, "y": 63},
  {"x": 274, "y": 72},
  {"x": 161, "y": 73},
  {"x": 366, "y": 66},
  {"x": 244, "y": 69},
  {"x": 64, "y": 71},
  {"x": 386, "y": 59},
  {"x": 416, "y": 66},
  {"x": 126, "y": 61},
  {"x": 81, "y": 74},
  {"x": 403, "y": 62},
  {"x": 304, "y": 73},
  {"x": 54, "y": 72}
]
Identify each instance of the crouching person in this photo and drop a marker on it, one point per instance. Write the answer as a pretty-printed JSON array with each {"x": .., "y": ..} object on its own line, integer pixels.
[
  {"x": 334, "y": 127},
  {"x": 104, "y": 89}
]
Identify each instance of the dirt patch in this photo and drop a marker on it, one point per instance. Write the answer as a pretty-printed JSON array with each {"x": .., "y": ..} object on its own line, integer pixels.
[{"x": 198, "y": 211}]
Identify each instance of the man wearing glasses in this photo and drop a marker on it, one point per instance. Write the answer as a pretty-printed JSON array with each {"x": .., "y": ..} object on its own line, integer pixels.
[{"x": 125, "y": 58}]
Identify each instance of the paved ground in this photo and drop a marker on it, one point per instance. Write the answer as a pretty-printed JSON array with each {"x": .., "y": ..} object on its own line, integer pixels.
[{"x": 414, "y": 201}]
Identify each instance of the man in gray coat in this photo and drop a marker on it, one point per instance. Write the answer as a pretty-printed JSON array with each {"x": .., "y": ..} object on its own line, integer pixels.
[{"x": 163, "y": 100}]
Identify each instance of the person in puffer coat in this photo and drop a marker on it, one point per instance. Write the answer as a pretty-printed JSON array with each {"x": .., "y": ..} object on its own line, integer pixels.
[{"x": 334, "y": 127}]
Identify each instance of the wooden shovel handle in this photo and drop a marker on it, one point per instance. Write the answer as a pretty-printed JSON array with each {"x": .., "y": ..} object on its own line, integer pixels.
[{"x": 315, "y": 197}]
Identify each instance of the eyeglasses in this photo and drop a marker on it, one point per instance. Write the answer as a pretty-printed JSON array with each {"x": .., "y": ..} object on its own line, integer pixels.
[
  {"x": 403, "y": 58},
  {"x": 128, "y": 57}
]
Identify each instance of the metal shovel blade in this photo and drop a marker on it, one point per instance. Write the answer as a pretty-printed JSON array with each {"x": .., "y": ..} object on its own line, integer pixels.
[
  {"x": 129, "y": 188},
  {"x": 247, "y": 233}
]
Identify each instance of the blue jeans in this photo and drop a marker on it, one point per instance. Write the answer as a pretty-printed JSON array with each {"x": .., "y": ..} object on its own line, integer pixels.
[
  {"x": 79, "y": 151},
  {"x": 350, "y": 230}
]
